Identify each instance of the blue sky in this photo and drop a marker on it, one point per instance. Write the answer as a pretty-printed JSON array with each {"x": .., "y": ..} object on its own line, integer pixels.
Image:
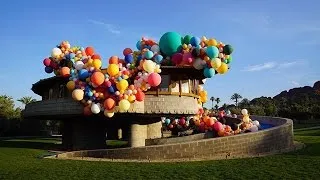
[{"x": 276, "y": 41}]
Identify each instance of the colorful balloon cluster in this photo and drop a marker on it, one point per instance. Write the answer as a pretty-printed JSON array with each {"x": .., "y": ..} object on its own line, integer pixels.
[{"x": 125, "y": 80}]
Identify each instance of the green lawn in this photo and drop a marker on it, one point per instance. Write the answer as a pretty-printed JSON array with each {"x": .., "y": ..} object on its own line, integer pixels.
[{"x": 21, "y": 159}]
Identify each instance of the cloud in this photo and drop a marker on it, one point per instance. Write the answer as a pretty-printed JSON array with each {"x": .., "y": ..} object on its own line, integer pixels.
[
  {"x": 271, "y": 65},
  {"x": 110, "y": 27},
  {"x": 295, "y": 83}
]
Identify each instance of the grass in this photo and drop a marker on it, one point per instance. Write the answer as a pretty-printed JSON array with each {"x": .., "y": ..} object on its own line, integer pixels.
[{"x": 21, "y": 159}]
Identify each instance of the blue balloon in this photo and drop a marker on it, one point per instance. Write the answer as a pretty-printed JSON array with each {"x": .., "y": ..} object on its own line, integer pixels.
[
  {"x": 195, "y": 41},
  {"x": 90, "y": 93},
  {"x": 48, "y": 69},
  {"x": 83, "y": 74},
  {"x": 212, "y": 51},
  {"x": 72, "y": 55},
  {"x": 148, "y": 54},
  {"x": 129, "y": 58},
  {"x": 209, "y": 72},
  {"x": 111, "y": 89},
  {"x": 82, "y": 49},
  {"x": 138, "y": 45},
  {"x": 167, "y": 121},
  {"x": 158, "y": 58}
]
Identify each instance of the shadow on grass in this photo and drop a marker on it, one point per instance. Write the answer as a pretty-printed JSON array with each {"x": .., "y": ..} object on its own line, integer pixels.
[{"x": 31, "y": 144}]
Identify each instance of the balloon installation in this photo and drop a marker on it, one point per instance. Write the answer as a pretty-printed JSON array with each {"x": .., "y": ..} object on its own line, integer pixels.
[{"x": 125, "y": 80}]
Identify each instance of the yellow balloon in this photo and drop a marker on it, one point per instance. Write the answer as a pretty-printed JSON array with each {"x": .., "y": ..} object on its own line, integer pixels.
[
  {"x": 246, "y": 119},
  {"x": 223, "y": 68},
  {"x": 97, "y": 63},
  {"x": 113, "y": 69},
  {"x": 215, "y": 63},
  {"x": 122, "y": 85},
  {"x": 90, "y": 62},
  {"x": 149, "y": 66},
  {"x": 124, "y": 105},
  {"x": 71, "y": 85},
  {"x": 77, "y": 94},
  {"x": 108, "y": 113},
  {"x": 131, "y": 98},
  {"x": 212, "y": 42}
]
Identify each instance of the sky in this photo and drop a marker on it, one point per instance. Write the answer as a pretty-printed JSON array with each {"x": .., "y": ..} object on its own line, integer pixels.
[{"x": 275, "y": 41}]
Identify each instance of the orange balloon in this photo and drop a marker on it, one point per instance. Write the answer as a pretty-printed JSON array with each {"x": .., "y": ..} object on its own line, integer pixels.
[
  {"x": 127, "y": 51},
  {"x": 109, "y": 103},
  {"x": 65, "y": 71},
  {"x": 114, "y": 60},
  {"x": 221, "y": 133},
  {"x": 96, "y": 56},
  {"x": 97, "y": 78},
  {"x": 89, "y": 51}
]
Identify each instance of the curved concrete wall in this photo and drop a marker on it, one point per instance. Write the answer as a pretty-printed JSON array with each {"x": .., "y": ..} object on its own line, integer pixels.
[
  {"x": 276, "y": 139},
  {"x": 162, "y": 104}
]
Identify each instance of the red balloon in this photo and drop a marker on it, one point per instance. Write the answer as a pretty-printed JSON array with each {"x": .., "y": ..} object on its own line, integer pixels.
[
  {"x": 127, "y": 51},
  {"x": 89, "y": 51},
  {"x": 109, "y": 103},
  {"x": 182, "y": 122},
  {"x": 140, "y": 96},
  {"x": 47, "y": 62},
  {"x": 96, "y": 56},
  {"x": 187, "y": 58},
  {"x": 154, "y": 79},
  {"x": 97, "y": 78},
  {"x": 177, "y": 58}
]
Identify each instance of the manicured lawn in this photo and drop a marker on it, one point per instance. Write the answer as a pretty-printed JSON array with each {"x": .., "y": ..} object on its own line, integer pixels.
[{"x": 21, "y": 159}]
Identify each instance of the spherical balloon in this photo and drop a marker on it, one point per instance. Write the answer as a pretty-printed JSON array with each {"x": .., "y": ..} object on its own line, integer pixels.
[
  {"x": 113, "y": 69},
  {"x": 127, "y": 51},
  {"x": 140, "y": 96},
  {"x": 128, "y": 58},
  {"x": 155, "y": 48},
  {"x": 77, "y": 94},
  {"x": 71, "y": 85},
  {"x": 197, "y": 64},
  {"x": 212, "y": 42},
  {"x": 217, "y": 126},
  {"x": 215, "y": 63},
  {"x": 97, "y": 78},
  {"x": 78, "y": 65},
  {"x": 148, "y": 54},
  {"x": 97, "y": 63},
  {"x": 149, "y": 66},
  {"x": 187, "y": 58},
  {"x": 170, "y": 43},
  {"x": 209, "y": 72},
  {"x": 154, "y": 79},
  {"x": 194, "y": 41},
  {"x": 246, "y": 119},
  {"x": 122, "y": 85},
  {"x": 255, "y": 122},
  {"x": 48, "y": 69},
  {"x": 223, "y": 68},
  {"x": 83, "y": 74},
  {"x": 96, "y": 56},
  {"x": 186, "y": 39},
  {"x": 124, "y": 105},
  {"x": 244, "y": 112},
  {"x": 158, "y": 58},
  {"x": 95, "y": 108},
  {"x": 177, "y": 58},
  {"x": 227, "y": 49},
  {"x": 89, "y": 51},
  {"x": 254, "y": 128},
  {"x": 65, "y": 72},
  {"x": 212, "y": 51},
  {"x": 56, "y": 52},
  {"x": 109, "y": 103},
  {"x": 114, "y": 60},
  {"x": 47, "y": 62},
  {"x": 108, "y": 114}
]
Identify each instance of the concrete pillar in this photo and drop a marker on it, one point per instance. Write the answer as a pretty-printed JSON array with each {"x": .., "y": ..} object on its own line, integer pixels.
[
  {"x": 138, "y": 135},
  {"x": 119, "y": 133},
  {"x": 154, "y": 130}
]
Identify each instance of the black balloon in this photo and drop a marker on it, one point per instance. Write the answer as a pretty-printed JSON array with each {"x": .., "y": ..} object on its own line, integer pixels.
[{"x": 227, "y": 49}]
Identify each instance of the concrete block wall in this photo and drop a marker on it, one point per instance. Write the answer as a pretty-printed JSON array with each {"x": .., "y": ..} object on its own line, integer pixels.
[{"x": 276, "y": 139}]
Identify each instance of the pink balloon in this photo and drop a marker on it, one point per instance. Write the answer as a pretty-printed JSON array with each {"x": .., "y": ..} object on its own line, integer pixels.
[
  {"x": 177, "y": 58},
  {"x": 154, "y": 79},
  {"x": 182, "y": 121},
  {"x": 187, "y": 58},
  {"x": 47, "y": 62},
  {"x": 217, "y": 126}
]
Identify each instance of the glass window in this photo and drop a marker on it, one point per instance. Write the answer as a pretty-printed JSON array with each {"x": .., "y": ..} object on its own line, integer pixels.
[
  {"x": 165, "y": 82},
  {"x": 185, "y": 86},
  {"x": 175, "y": 86},
  {"x": 50, "y": 94}
]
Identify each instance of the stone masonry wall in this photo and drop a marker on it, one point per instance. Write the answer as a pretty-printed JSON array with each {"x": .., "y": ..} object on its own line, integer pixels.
[{"x": 271, "y": 140}]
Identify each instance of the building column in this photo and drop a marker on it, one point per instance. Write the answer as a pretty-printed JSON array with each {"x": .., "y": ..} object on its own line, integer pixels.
[
  {"x": 154, "y": 130},
  {"x": 138, "y": 135}
]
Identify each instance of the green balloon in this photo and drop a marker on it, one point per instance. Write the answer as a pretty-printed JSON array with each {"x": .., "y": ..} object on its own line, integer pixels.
[
  {"x": 186, "y": 39},
  {"x": 230, "y": 59},
  {"x": 227, "y": 49},
  {"x": 170, "y": 43}
]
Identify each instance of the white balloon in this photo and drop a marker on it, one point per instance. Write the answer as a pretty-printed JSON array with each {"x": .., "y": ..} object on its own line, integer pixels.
[
  {"x": 244, "y": 111},
  {"x": 255, "y": 122},
  {"x": 155, "y": 48},
  {"x": 197, "y": 64},
  {"x": 95, "y": 109},
  {"x": 254, "y": 128},
  {"x": 78, "y": 65},
  {"x": 56, "y": 52}
]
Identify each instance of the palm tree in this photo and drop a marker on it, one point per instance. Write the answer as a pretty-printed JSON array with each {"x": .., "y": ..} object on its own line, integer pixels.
[
  {"x": 235, "y": 97},
  {"x": 212, "y": 99},
  {"x": 26, "y": 100},
  {"x": 245, "y": 103},
  {"x": 218, "y": 101}
]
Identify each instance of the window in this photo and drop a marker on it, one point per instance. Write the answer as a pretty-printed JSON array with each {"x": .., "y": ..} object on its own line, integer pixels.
[
  {"x": 165, "y": 82},
  {"x": 50, "y": 94},
  {"x": 61, "y": 91},
  {"x": 185, "y": 86},
  {"x": 175, "y": 86}
]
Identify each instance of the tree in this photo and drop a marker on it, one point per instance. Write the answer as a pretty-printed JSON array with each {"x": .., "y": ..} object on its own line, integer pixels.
[
  {"x": 212, "y": 99},
  {"x": 26, "y": 100},
  {"x": 245, "y": 103},
  {"x": 217, "y": 101},
  {"x": 7, "y": 109},
  {"x": 236, "y": 97}
]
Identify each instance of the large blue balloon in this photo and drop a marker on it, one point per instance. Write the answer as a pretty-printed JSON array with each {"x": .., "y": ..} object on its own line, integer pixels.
[
  {"x": 158, "y": 58},
  {"x": 195, "y": 41},
  {"x": 212, "y": 51},
  {"x": 128, "y": 58},
  {"x": 148, "y": 54},
  {"x": 48, "y": 69},
  {"x": 138, "y": 45},
  {"x": 209, "y": 72},
  {"x": 83, "y": 74}
]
